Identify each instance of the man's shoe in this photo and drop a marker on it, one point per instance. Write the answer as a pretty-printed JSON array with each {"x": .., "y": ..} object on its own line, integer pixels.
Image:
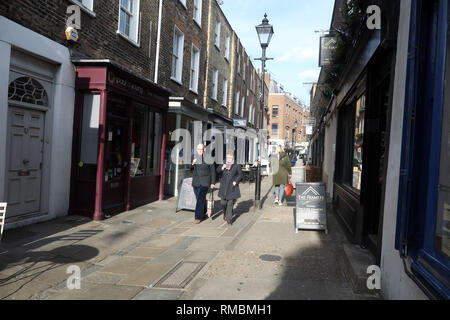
[{"x": 197, "y": 221}]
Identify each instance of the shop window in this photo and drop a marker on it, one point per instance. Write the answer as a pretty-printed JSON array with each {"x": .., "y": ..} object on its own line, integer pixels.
[
  {"x": 145, "y": 144},
  {"x": 87, "y": 163},
  {"x": 423, "y": 221},
  {"x": 358, "y": 143}
]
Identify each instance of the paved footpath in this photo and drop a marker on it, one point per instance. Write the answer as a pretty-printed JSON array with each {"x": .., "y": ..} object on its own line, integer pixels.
[{"x": 154, "y": 253}]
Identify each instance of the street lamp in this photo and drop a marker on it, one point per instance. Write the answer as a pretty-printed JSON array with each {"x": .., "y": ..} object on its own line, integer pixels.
[{"x": 265, "y": 32}]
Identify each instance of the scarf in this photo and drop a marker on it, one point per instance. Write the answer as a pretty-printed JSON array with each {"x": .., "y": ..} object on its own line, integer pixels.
[{"x": 229, "y": 164}]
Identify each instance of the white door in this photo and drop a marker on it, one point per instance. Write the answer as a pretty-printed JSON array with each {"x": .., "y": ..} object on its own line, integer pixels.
[{"x": 25, "y": 156}]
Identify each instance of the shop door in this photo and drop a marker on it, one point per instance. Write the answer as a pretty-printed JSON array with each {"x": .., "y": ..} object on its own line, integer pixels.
[
  {"x": 114, "y": 166},
  {"x": 25, "y": 155}
]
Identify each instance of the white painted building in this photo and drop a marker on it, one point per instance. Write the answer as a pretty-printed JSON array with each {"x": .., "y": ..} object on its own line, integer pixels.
[{"x": 36, "y": 125}]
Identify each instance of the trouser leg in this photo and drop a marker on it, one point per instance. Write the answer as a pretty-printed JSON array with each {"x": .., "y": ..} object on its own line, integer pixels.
[
  {"x": 281, "y": 192},
  {"x": 229, "y": 211},
  {"x": 201, "y": 203}
]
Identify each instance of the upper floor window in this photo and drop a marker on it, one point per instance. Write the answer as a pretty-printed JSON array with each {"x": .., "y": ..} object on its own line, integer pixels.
[
  {"x": 236, "y": 108},
  {"x": 177, "y": 54},
  {"x": 215, "y": 83},
  {"x": 195, "y": 61},
  {"x": 239, "y": 63},
  {"x": 275, "y": 111},
  {"x": 225, "y": 92},
  {"x": 129, "y": 19},
  {"x": 217, "y": 34},
  {"x": 227, "y": 48},
  {"x": 198, "y": 11},
  {"x": 183, "y": 2}
]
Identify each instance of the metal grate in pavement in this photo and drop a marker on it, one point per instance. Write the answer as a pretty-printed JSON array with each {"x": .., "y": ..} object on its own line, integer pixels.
[{"x": 180, "y": 275}]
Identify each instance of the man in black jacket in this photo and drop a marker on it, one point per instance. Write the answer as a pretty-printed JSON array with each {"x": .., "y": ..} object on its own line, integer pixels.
[{"x": 204, "y": 177}]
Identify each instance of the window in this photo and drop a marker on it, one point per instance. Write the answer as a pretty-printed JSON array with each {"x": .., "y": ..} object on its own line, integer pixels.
[
  {"x": 251, "y": 81},
  {"x": 250, "y": 113},
  {"x": 358, "y": 142},
  {"x": 145, "y": 144},
  {"x": 215, "y": 83},
  {"x": 274, "y": 111},
  {"x": 239, "y": 63},
  {"x": 177, "y": 54},
  {"x": 236, "y": 108},
  {"x": 254, "y": 116},
  {"x": 129, "y": 19},
  {"x": 423, "y": 221},
  {"x": 195, "y": 60},
  {"x": 183, "y": 2},
  {"x": 89, "y": 137},
  {"x": 274, "y": 131},
  {"x": 198, "y": 11},
  {"x": 225, "y": 92},
  {"x": 217, "y": 35},
  {"x": 243, "y": 71},
  {"x": 227, "y": 48},
  {"x": 242, "y": 107}
]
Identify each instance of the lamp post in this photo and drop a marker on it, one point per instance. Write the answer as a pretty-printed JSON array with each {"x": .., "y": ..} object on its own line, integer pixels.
[{"x": 265, "y": 32}]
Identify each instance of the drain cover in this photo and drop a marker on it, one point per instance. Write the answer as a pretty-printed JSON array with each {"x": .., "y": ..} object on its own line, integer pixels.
[
  {"x": 180, "y": 275},
  {"x": 269, "y": 257}
]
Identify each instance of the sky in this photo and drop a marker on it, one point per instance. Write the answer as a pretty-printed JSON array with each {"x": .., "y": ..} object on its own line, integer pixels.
[{"x": 294, "y": 45}]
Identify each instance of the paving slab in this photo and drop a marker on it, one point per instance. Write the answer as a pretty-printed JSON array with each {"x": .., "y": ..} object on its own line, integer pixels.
[
  {"x": 125, "y": 265},
  {"x": 209, "y": 244},
  {"x": 97, "y": 292},
  {"x": 171, "y": 256},
  {"x": 158, "y": 294},
  {"x": 146, "y": 275},
  {"x": 164, "y": 241},
  {"x": 201, "y": 256},
  {"x": 177, "y": 231},
  {"x": 102, "y": 278},
  {"x": 21, "y": 289},
  {"x": 205, "y": 232},
  {"x": 145, "y": 252}
]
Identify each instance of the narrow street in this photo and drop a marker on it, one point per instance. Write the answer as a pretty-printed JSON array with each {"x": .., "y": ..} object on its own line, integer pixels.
[{"x": 133, "y": 256}]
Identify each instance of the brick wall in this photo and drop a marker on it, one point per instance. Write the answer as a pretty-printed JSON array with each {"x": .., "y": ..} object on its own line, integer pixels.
[
  {"x": 174, "y": 13},
  {"x": 98, "y": 38}
]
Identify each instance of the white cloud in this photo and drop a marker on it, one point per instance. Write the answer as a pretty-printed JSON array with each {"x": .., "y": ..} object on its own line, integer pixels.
[
  {"x": 309, "y": 75},
  {"x": 299, "y": 54}
]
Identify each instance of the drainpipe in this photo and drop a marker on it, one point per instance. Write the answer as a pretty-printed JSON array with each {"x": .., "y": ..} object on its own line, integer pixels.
[{"x": 158, "y": 41}]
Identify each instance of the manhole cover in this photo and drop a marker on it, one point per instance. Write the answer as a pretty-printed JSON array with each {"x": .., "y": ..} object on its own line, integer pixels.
[
  {"x": 180, "y": 275},
  {"x": 269, "y": 257}
]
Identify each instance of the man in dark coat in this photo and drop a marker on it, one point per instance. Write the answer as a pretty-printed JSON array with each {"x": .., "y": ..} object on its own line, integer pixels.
[
  {"x": 229, "y": 186},
  {"x": 203, "y": 178}
]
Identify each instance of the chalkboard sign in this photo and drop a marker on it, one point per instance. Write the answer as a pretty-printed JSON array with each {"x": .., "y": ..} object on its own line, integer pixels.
[
  {"x": 186, "y": 197},
  {"x": 311, "y": 207}
]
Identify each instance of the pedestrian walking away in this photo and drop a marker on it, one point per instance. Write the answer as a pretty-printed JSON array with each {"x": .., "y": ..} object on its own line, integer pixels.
[
  {"x": 203, "y": 178},
  {"x": 282, "y": 175},
  {"x": 229, "y": 186}
]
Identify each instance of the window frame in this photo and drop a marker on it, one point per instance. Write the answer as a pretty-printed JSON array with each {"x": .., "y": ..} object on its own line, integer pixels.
[
  {"x": 227, "y": 48},
  {"x": 421, "y": 158},
  {"x": 217, "y": 29},
  {"x": 195, "y": 54},
  {"x": 225, "y": 92},
  {"x": 134, "y": 20},
  {"x": 178, "y": 76},
  {"x": 198, "y": 4},
  {"x": 215, "y": 84}
]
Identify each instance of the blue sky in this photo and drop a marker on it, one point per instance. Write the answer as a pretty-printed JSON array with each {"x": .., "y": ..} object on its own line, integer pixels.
[{"x": 294, "y": 45}]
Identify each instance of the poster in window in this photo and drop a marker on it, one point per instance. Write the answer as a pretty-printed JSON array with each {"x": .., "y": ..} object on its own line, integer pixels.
[{"x": 134, "y": 165}]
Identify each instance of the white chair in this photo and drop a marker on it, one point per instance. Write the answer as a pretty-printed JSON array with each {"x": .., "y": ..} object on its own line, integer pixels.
[{"x": 2, "y": 217}]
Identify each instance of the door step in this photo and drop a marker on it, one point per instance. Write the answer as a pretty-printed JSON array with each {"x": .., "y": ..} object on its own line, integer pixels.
[{"x": 355, "y": 263}]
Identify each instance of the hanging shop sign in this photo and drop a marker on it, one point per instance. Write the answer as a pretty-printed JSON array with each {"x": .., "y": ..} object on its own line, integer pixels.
[{"x": 328, "y": 45}]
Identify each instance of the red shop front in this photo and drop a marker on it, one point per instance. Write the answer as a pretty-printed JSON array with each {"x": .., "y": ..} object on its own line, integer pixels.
[{"x": 119, "y": 139}]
